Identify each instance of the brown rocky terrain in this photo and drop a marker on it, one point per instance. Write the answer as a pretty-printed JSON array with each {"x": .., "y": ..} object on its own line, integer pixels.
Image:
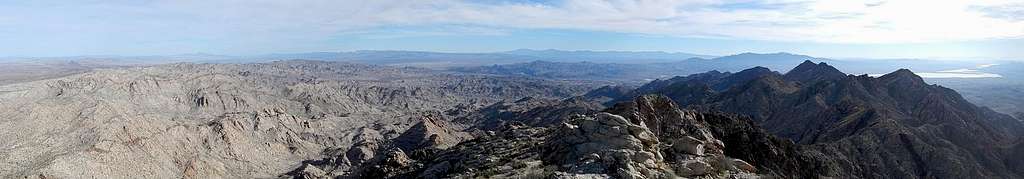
[{"x": 227, "y": 120}]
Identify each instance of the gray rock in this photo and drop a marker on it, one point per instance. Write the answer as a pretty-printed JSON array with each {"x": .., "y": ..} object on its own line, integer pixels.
[
  {"x": 312, "y": 172},
  {"x": 743, "y": 165},
  {"x": 693, "y": 168},
  {"x": 688, "y": 145},
  {"x": 609, "y": 142}
]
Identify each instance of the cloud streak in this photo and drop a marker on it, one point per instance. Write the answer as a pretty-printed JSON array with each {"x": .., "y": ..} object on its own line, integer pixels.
[
  {"x": 897, "y": 21},
  {"x": 38, "y": 23}
]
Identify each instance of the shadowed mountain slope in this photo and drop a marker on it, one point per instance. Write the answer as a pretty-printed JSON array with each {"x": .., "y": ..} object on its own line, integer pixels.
[{"x": 895, "y": 125}]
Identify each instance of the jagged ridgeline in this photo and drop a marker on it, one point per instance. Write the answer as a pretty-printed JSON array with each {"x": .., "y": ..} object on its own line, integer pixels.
[{"x": 892, "y": 126}]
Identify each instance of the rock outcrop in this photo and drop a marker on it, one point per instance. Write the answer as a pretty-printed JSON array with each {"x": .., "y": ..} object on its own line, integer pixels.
[
  {"x": 712, "y": 133},
  {"x": 646, "y": 138},
  {"x": 607, "y": 144}
]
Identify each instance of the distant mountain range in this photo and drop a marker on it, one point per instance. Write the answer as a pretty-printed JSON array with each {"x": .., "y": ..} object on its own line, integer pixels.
[
  {"x": 666, "y": 61},
  {"x": 443, "y": 59},
  {"x": 412, "y": 58},
  {"x": 639, "y": 73},
  {"x": 627, "y": 57}
]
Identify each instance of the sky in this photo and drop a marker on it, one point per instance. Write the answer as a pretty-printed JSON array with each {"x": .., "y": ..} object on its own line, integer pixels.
[{"x": 939, "y": 29}]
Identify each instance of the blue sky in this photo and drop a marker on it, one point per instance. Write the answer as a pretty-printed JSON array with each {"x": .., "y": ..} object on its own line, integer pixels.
[{"x": 948, "y": 29}]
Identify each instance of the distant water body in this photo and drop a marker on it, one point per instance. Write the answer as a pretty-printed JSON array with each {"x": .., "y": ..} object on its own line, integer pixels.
[{"x": 958, "y": 73}]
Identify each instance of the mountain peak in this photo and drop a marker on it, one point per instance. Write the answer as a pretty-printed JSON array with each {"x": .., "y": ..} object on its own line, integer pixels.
[
  {"x": 806, "y": 63},
  {"x": 809, "y": 66},
  {"x": 903, "y": 74},
  {"x": 809, "y": 72},
  {"x": 903, "y": 71},
  {"x": 752, "y": 73},
  {"x": 760, "y": 68}
]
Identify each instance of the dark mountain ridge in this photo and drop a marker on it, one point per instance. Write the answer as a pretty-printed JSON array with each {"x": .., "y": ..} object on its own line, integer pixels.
[
  {"x": 895, "y": 125},
  {"x": 809, "y": 73}
]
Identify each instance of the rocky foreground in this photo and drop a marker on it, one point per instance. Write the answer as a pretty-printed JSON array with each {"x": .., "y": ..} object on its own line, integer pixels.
[{"x": 650, "y": 137}]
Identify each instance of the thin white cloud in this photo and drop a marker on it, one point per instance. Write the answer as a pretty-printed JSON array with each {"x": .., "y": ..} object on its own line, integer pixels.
[
  {"x": 832, "y": 21},
  {"x": 870, "y": 21},
  {"x": 897, "y": 21}
]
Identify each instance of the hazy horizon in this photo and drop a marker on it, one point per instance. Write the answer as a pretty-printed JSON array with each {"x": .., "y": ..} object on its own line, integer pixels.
[{"x": 258, "y": 55}]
